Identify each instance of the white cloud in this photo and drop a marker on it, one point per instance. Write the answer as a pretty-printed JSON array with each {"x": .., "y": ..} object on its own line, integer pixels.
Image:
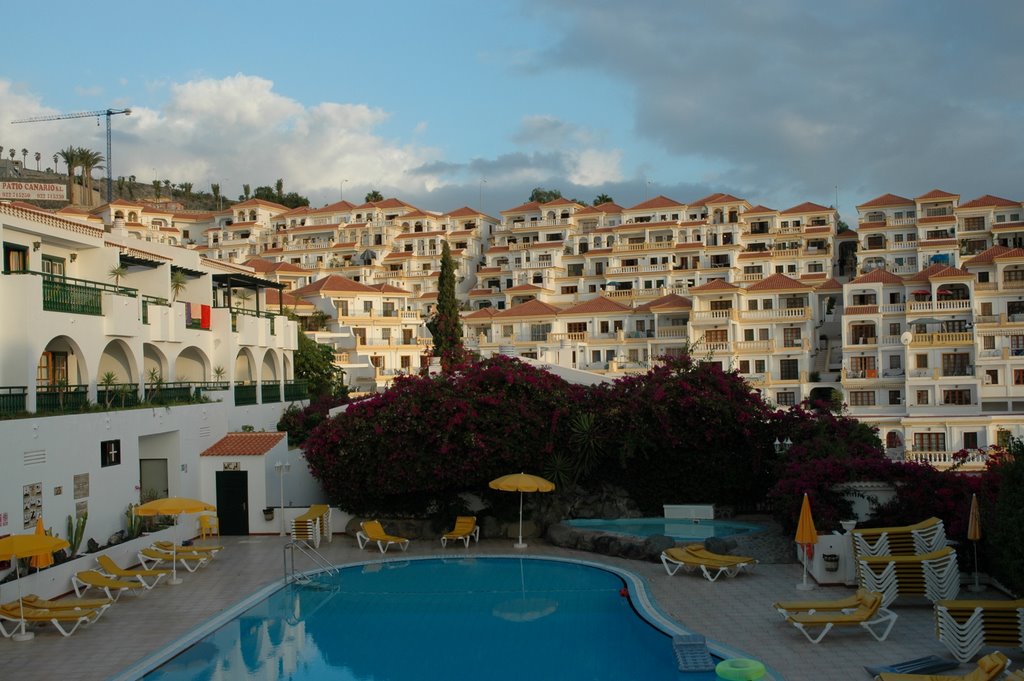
[{"x": 593, "y": 167}]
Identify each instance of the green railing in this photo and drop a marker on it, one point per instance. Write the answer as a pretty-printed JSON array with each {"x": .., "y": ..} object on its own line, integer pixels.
[
  {"x": 118, "y": 395},
  {"x": 53, "y": 398},
  {"x": 245, "y": 394},
  {"x": 12, "y": 399},
  {"x": 270, "y": 391},
  {"x": 181, "y": 391},
  {"x": 296, "y": 390},
  {"x": 77, "y": 296}
]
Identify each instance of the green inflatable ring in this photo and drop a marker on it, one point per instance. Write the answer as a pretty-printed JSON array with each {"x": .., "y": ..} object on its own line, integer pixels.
[{"x": 740, "y": 669}]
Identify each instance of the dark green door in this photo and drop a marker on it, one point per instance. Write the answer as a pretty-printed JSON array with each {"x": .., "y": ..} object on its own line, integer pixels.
[{"x": 233, "y": 502}]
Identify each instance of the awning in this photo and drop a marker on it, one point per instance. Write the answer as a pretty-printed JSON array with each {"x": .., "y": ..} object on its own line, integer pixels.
[
  {"x": 927, "y": 320},
  {"x": 188, "y": 271},
  {"x": 921, "y": 292},
  {"x": 140, "y": 261},
  {"x": 242, "y": 280}
]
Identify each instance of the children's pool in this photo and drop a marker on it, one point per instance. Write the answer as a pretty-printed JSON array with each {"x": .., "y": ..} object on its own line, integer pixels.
[
  {"x": 683, "y": 529},
  {"x": 431, "y": 619}
]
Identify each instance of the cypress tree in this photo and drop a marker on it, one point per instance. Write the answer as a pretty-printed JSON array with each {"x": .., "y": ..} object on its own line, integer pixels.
[{"x": 445, "y": 325}]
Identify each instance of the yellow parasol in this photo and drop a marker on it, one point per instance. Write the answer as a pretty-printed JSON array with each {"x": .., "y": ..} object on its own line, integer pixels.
[
  {"x": 41, "y": 560},
  {"x": 807, "y": 537},
  {"x": 974, "y": 534},
  {"x": 521, "y": 482},
  {"x": 175, "y": 506},
  {"x": 22, "y": 546}
]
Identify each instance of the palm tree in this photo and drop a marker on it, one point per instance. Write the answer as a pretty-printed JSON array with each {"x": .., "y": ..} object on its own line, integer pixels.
[
  {"x": 245, "y": 191},
  {"x": 1, "y": 150},
  {"x": 167, "y": 186},
  {"x": 374, "y": 196},
  {"x": 24, "y": 155},
  {"x": 186, "y": 187},
  {"x": 178, "y": 283},
  {"x": 156, "y": 188},
  {"x": 116, "y": 273},
  {"x": 69, "y": 156},
  {"x": 89, "y": 160},
  {"x": 38, "y": 158},
  {"x": 13, "y": 152},
  {"x": 55, "y": 157},
  {"x": 602, "y": 198},
  {"x": 215, "y": 190}
]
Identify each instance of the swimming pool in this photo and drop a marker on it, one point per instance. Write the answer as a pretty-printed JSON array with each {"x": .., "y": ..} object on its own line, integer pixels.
[
  {"x": 430, "y": 619},
  {"x": 679, "y": 529}
]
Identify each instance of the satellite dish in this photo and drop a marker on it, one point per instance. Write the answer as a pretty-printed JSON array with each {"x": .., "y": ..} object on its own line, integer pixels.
[{"x": 907, "y": 337}]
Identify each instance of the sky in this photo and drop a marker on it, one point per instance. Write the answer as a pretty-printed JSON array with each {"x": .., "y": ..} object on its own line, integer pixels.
[{"x": 451, "y": 103}]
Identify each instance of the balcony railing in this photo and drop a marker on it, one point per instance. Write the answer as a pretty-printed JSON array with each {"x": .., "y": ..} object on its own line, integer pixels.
[
  {"x": 118, "y": 395},
  {"x": 61, "y": 398},
  {"x": 296, "y": 390},
  {"x": 245, "y": 394},
  {"x": 12, "y": 399},
  {"x": 270, "y": 391}
]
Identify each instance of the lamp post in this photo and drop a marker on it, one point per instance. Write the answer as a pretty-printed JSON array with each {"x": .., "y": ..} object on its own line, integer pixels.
[{"x": 282, "y": 467}]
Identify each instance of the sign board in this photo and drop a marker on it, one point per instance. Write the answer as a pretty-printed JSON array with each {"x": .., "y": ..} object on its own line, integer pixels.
[{"x": 33, "y": 191}]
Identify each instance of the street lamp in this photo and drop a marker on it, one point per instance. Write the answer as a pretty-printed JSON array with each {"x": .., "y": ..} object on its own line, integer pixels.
[
  {"x": 783, "y": 446},
  {"x": 282, "y": 467}
]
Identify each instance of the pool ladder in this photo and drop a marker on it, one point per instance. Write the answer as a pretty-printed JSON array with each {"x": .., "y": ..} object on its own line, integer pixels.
[{"x": 290, "y": 575}]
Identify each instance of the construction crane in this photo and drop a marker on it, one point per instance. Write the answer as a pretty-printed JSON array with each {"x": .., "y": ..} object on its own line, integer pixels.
[{"x": 88, "y": 114}]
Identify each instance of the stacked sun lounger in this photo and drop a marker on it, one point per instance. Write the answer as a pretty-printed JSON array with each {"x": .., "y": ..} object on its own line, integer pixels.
[
  {"x": 912, "y": 560},
  {"x": 966, "y": 626},
  {"x": 313, "y": 525},
  {"x": 934, "y": 575},
  {"x": 923, "y": 537}
]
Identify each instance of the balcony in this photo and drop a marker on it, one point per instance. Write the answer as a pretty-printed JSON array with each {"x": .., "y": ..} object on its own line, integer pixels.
[
  {"x": 245, "y": 394},
  {"x": 944, "y": 460},
  {"x": 61, "y": 398},
  {"x": 296, "y": 390},
  {"x": 270, "y": 391}
]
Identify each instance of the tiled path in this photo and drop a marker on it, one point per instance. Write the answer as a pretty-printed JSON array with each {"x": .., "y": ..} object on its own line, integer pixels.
[{"x": 735, "y": 612}]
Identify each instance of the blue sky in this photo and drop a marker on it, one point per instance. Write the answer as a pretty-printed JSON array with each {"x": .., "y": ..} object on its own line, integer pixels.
[{"x": 777, "y": 101}]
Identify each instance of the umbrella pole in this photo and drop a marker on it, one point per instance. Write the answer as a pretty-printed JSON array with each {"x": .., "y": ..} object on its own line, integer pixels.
[
  {"x": 174, "y": 554},
  {"x": 976, "y": 586},
  {"x": 24, "y": 635},
  {"x": 520, "y": 544},
  {"x": 804, "y": 586}
]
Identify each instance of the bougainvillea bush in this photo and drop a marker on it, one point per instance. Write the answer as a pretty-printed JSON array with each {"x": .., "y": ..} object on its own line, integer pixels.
[
  {"x": 685, "y": 432},
  {"x": 427, "y": 439}
]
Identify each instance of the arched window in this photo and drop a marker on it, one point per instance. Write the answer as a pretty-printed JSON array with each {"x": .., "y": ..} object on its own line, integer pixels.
[
  {"x": 252, "y": 216},
  {"x": 893, "y": 439},
  {"x": 133, "y": 217}
]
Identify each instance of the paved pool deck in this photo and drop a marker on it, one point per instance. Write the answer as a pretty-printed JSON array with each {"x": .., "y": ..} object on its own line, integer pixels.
[{"x": 736, "y": 612}]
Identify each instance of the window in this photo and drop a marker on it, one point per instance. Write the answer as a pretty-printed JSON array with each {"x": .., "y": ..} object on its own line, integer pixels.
[
  {"x": 894, "y": 329},
  {"x": 930, "y": 442},
  {"x": 955, "y": 364},
  {"x": 752, "y": 305},
  {"x": 789, "y": 369},
  {"x": 862, "y": 398},
  {"x": 744, "y": 366},
  {"x": 922, "y": 361},
  {"x": 785, "y": 399},
  {"x": 15, "y": 258},
  {"x": 604, "y": 327},
  {"x": 52, "y": 368},
  {"x": 791, "y": 337},
  {"x": 595, "y": 356},
  {"x": 716, "y": 336},
  {"x": 895, "y": 362},
  {"x": 759, "y": 366},
  {"x": 762, "y": 334},
  {"x": 970, "y": 440},
  {"x": 53, "y": 266},
  {"x": 1018, "y": 376},
  {"x": 110, "y": 453},
  {"x": 956, "y": 396},
  {"x": 576, "y": 327},
  {"x": 988, "y": 342},
  {"x": 895, "y": 397},
  {"x": 507, "y": 330},
  {"x": 748, "y": 334},
  {"x": 922, "y": 397}
]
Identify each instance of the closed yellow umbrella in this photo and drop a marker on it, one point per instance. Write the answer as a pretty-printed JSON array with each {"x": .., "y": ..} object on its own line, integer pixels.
[
  {"x": 521, "y": 482},
  {"x": 22, "y": 546},
  {"x": 974, "y": 534},
  {"x": 41, "y": 560},
  {"x": 173, "y": 506},
  {"x": 807, "y": 537}
]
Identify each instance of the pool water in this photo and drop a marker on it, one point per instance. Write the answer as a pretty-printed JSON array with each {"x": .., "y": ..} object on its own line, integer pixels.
[
  {"x": 679, "y": 529},
  {"x": 433, "y": 619}
]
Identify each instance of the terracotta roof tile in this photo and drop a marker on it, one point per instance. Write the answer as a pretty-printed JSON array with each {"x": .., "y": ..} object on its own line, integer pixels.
[
  {"x": 878, "y": 276},
  {"x": 936, "y": 194},
  {"x": 657, "y": 202},
  {"x": 806, "y": 207},
  {"x": 829, "y": 284},
  {"x": 886, "y": 200},
  {"x": 988, "y": 200},
  {"x": 777, "y": 282},
  {"x": 758, "y": 209},
  {"x": 531, "y": 308},
  {"x": 987, "y": 256},
  {"x": 597, "y": 304},
  {"x": 671, "y": 301},
  {"x": 332, "y": 283},
  {"x": 714, "y": 285},
  {"x": 244, "y": 444}
]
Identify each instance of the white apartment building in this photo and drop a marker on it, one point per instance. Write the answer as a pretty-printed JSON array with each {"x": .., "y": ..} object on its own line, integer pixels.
[{"x": 124, "y": 359}]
